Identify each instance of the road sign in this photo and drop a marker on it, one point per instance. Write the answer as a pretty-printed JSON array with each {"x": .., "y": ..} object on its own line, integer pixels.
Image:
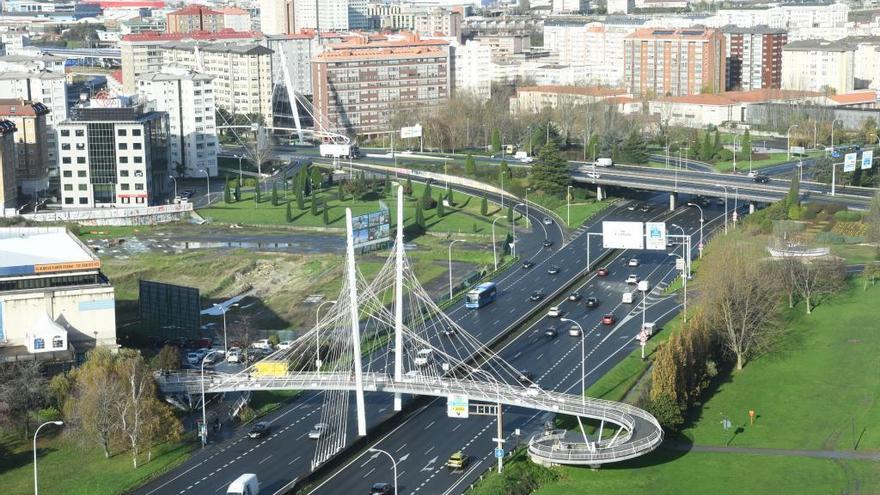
[
  {"x": 849, "y": 162},
  {"x": 457, "y": 406},
  {"x": 655, "y": 235},
  {"x": 867, "y": 159},
  {"x": 835, "y": 154},
  {"x": 623, "y": 235},
  {"x": 411, "y": 132},
  {"x": 679, "y": 264},
  {"x": 499, "y": 452}
]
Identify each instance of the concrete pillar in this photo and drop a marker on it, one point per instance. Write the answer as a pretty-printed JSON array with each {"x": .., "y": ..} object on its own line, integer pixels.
[
  {"x": 751, "y": 207},
  {"x": 673, "y": 199},
  {"x": 599, "y": 195}
]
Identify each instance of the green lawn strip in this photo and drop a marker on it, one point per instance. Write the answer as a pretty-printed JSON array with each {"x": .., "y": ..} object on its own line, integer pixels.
[
  {"x": 818, "y": 389},
  {"x": 855, "y": 253},
  {"x": 73, "y": 469},
  {"x": 742, "y": 163},
  {"x": 581, "y": 211},
  {"x": 266, "y": 401}
]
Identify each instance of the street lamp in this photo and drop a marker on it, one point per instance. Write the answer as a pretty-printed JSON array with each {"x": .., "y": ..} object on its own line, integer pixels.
[
  {"x": 204, "y": 410},
  {"x": 684, "y": 279},
  {"x": 494, "y": 243},
  {"x": 568, "y": 206},
  {"x": 513, "y": 225},
  {"x": 788, "y": 139},
  {"x": 239, "y": 166},
  {"x": 56, "y": 423},
  {"x": 224, "y": 309},
  {"x": 735, "y": 136},
  {"x": 175, "y": 185},
  {"x": 832, "y": 132},
  {"x": 318, "y": 335},
  {"x": 702, "y": 219},
  {"x": 208, "y": 181},
  {"x": 583, "y": 356},
  {"x": 450, "y": 266},
  {"x": 725, "y": 206},
  {"x": 393, "y": 463}
]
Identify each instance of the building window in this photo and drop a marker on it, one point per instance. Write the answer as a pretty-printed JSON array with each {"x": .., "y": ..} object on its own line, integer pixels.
[
  {"x": 79, "y": 132},
  {"x": 68, "y": 187},
  {"x": 68, "y": 173},
  {"x": 80, "y": 146},
  {"x": 123, "y": 159},
  {"x": 81, "y": 160},
  {"x": 139, "y": 186},
  {"x": 121, "y": 132},
  {"x": 123, "y": 173},
  {"x": 66, "y": 160},
  {"x": 39, "y": 343},
  {"x": 83, "y": 187},
  {"x": 139, "y": 159},
  {"x": 65, "y": 146},
  {"x": 57, "y": 342},
  {"x": 83, "y": 201},
  {"x": 137, "y": 146},
  {"x": 65, "y": 133},
  {"x": 135, "y": 132},
  {"x": 123, "y": 146},
  {"x": 81, "y": 173},
  {"x": 124, "y": 186},
  {"x": 68, "y": 201}
]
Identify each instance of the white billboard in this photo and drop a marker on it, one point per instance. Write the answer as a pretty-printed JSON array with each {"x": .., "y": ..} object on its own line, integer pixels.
[
  {"x": 655, "y": 235},
  {"x": 849, "y": 162},
  {"x": 457, "y": 406},
  {"x": 867, "y": 159},
  {"x": 411, "y": 132},
  {"x": 623, "y": 235}
]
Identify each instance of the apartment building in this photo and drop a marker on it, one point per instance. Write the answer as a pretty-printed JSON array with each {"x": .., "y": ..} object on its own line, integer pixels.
[
  {"x": 31, "y": 146},
  {"x": 818, "y": 65},
  {"x": 569, "y": 6},
  {"x": 359, "y": 84},
  {"x": 473, "y": 69},
  {"x": 242, "y": 73},
  {"x": 235, "y": 18},
  {"x": 505, "y": 45},
  {"x": 867, "y": 53},
  {"x": 791, "y": 16},
  {"x": 621, "y": 6},
  {"x": 395, "y": 16},
  {"x": 276, "y": 17},
  {"x": 534, "y": 99},
  {"x": 194, "y": 18},
  {"x": 326, "y": 15},
  {"x": 113, "y": 156},
  {"x": 674, "y": 62},
  {"x": 439, "y": 22},
  {"x": 188, "y": 99},
  {"x": 8, "y": 195},
  {"x": 141, "y": 52},
  {"x": 753, "y": 57}
]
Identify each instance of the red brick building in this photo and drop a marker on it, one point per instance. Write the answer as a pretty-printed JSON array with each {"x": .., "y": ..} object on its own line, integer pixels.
[
  {"x": 754, "y": 57},
  {"x": 194, "y": 18}
]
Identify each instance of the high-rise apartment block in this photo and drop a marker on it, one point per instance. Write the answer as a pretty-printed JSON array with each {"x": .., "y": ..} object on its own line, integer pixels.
[
  {"x": 325, "y": 15},
  {"x": 473, "y": 69},
  {"x": 818, "y": 65},
  {"x": 188, "y": 99},
  {"x": 359, "y": 84},
  {"x": 276, "y": 17},
  {"x": 754, "y": 57},
  {"x": 595, "y": 46},
  {"x": 31, "y": 146},
  {"x": 194, "y": 18},
  {"x": 7, "y": 168},
  {"x": 674, "y": 62},
  {"x": 113, "y": 156}
]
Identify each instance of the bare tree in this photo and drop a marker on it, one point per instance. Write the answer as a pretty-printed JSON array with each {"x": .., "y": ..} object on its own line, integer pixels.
[
  {"x": 817, "y": 277},
  {"x": 135, "y": 405},
  {"x": 738, "y": 296},
  {"x": 22, "y": 391},
  {"x": 873, "y": 219}
]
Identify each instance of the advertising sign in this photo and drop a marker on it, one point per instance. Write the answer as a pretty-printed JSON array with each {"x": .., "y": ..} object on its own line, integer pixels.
[
  {"x": 797, "y": 150},
  {"x": 849, "y": 162},
  {"x": 411, "y": 132},
  {"x": 655, "y": 235},
  {"x": 371, "y": 230},
  {"x": 457, "y": 406},
  {"x": 623, "y": 235},
  {"x": 867, "y": 159}
]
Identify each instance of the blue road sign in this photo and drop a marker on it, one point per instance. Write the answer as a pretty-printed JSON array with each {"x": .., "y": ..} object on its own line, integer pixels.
[
  {"x": 835, "y": 154},
  {"x": 499, "y": 452}
]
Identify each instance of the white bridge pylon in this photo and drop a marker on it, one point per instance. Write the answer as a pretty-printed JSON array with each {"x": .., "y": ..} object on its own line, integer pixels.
[{"x": 389, "y": 336}]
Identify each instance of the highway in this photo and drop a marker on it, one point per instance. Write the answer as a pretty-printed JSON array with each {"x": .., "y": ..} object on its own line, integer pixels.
[{"x": 423, "y": 442}]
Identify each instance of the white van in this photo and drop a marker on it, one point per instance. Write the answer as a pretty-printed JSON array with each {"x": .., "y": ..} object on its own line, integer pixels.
[
  {"x": 246, "y": 484},
  {"x": 628, "y": 297},
  {"x": 604, "y": 162}
]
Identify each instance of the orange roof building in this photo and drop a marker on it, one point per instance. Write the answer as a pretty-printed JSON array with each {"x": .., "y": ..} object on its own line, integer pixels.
[{"x": 194, "y": 18}]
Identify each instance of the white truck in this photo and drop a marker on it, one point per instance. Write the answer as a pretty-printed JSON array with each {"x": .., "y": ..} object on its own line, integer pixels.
[
  {"x": 339, "y": 151},
  {"x": 523, "y": 157},
  {"x": 246, "y": 484},
  {"x": 604, "y": 162}
]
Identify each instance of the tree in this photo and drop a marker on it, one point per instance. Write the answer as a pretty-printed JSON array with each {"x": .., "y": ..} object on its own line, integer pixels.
[
  {"x": 275, "y": 201},
  {"x": 793, "y": 199},
  {"x": 818, "y": 277},
  {"x": 237, "y": 190},
  {"x": 258, "y": 194},
  {"x": 716, "y": 146},
  {"x": 544, "y": 133},
  {"x": 289, "y": 215},
  {"x": 510, "y": 214},
  {"x": 550, "y": 173},
  {"x": 441, "y": 210},
  {"x": 300, "y": 200},
  {"x": 504, "y": 169},
  {"x": 496, "y": 140},
  {"x": 340, "y": 193},
  {"x": 420, "y": 217},
  {"x": 386, "y": 187},
  {"x": 870, "y": 273},
  {"x": 484, "y": 207},
  {"x": 22, "y": 392},
  {"x": 746, "y": 145},
  {"x": 408, "y": 188},
  {"x": 227, "y": 193},
  {"x": 872, "y": 218},
  {"x": 634, "y": 148},
  {"x": 317, "y": 178},
  {"x": 427, "y": 200},
  {"x": 95, "y": 392},
  {"x": 708, "y": 149},
  {"x": 450, "y": 199},
  {"x": 314, "y": 206},
  {"x": 470, "y": 166},
  {"x": 167, "y": 359},
  {"x": 326, "y": 214}
]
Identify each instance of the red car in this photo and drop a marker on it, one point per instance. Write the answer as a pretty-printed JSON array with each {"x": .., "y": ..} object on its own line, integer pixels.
[
  {"x": 608, "y": 319},
  {"x": 602, "y": 272}
]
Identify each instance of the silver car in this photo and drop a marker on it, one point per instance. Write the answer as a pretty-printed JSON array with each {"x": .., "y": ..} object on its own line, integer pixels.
[{"x": 318, "y": 430}]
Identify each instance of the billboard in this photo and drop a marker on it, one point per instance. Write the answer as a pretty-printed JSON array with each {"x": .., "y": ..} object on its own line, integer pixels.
[
  {"x": 170, "y": 310},
  {"x": 623, "y": 235},
  {"x": 867, "y": 159},
  {"x": 411, "y": 132},
  {"x": 849, "y": 162},
  {"x": 655, "y": 235},
  {"x": 457, "y": 406},
  {"x": 372, "y": 230}
]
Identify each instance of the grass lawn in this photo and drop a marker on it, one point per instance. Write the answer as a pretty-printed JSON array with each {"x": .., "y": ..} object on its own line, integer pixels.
[
  {"x": 772, "y": 159},
  {"x": 264, "y": 401},
  {"x": 855, "y": 253},
  {"x": 581, "y": 211},
  {"x": 65, "y": 467}
]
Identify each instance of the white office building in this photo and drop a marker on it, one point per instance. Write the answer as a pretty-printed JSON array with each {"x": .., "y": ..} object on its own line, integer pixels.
[
  {"x": 818, "y": 65},
  {"x": 326, "y": 15},
  {"x": 473, "y": 69},
  {"x": 188, "y": 99}
]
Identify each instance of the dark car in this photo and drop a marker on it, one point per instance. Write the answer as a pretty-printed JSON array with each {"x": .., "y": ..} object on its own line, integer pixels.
[
  {"x": 761, "y": 179},
  {"x": 591, "y": 302},
  {"x": 548, "y": 243},
  {"x": 574, "y": 296},
  {"x": 602, "y": 272},
  {"x": 551, "y": 332},
  {"x": 553, "y": 270},
  {"x": 186, "y": 194},
  {"x": 528, "y": 264},
  {"x": 608, "y": 319},
  {"x": 536, "y": 296},
  {"x": 381, "y": 489},
  {"x": 645, "y": 208},
  {"x": 525, "y": 376},
  {"x": 260, "y": 430}
]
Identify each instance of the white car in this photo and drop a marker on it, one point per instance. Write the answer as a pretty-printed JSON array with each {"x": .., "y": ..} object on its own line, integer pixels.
[
  {"x": 233, "y": 357},
  {"x": 574, "y": 331},
  {"x": 548, "y": 221},
  {"x": 633, "y": 262},
  {"x": 554, "y": 312},
  {"x": 194, "y": 358},
  {"x": 423, "y": 357},
  {"x": 318, "y": 431},
  {"x": 285, "y": 344},
  {"x": 533, "y": 390},
  {"x": 632, "y": 279},
  {"x": 593, "y": 175},
  {"x": 262, "y": 344},
  {"x": 752, "y": 174}
]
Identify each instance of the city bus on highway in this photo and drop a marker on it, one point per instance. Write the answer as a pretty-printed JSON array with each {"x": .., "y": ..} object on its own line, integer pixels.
[{"x": 481, "y": 295}]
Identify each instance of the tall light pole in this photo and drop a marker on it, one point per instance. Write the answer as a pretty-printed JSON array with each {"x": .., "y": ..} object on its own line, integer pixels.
[
  {"x": 527, "y": 205},
  {"x": 393, "y": 463},
  {"x": 208, "y": 181},
  {"x": 568, "y": 206},
  {"x": 685, "y": 248},
  {"x": 832, "y": 132},
  {"x": 239, "y": 166},
  {"x": 224, "y": 309},
  {"x": 684, "y": 279},
  {"x": 450, "y": 266},
  {"x": 204, "y": 410},
  {"x": 734, "y": 152},
  {"x": 494, "y": 243},
  {"x": 583, "y": 356},
  {"x": 788, "y": 140},
  {"x": 175, "y": 185},
  {"x": 513, "y": 226},
  {"x": 36, "y": 483},
  {"x": 725, "y": 205},
  {"x": 318, "y": 334},
  {"x": 702, "y": 219}
]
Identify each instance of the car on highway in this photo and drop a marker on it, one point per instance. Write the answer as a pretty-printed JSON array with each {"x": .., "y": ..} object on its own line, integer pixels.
[
  {"x": 534, "y": 389},
  {"x": 423, "y": 357},
  {"x": 260, "y": 430},
  {"x": 284, "y": 345},
  {"x": 262, "y": 344},
  {"x": 602, "y": 272},
  {"x": 553, "y": 270},
  {"x": 548, "y": 221},
  {"x": 633, "y": 262},
  {"x": 554, "y": 312},
  {"x": 536, "y": 296},
  {"x": 632, "y": 206},
  {"x": 457, "y": 461},
  {"x": 318, "y": 431},
  {"x": 188, "y": 193},
  {"x": 449, "y": 331},
  {"x": 591, "y": 302},
  {"x": 528, "y": 264},
  {"x": 574, "y": 296},
  {"x": 632, "y": 279},
  {"x": 645, "y": 208},
  {"x": 761, "y": 179},
  {"x": 593, "y": 175},
  {"x": 608, "y": 319},
  {"x": 547, "y": 243},
  {"x": 246, "y": 484},
  {"x": 551, "y": 332},
  {"x": 381, "y": 489},
  {"x": 574, "y": 331},
  {"x": 525, "y": 376}
]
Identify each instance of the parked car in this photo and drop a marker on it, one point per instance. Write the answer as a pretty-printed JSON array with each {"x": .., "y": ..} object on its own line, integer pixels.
[
  {"x": 591, "y": 302},
  {"x": 233, "y": 356},
  {"x": 536, "y": 296},
  {"x": 381, "y": 489},
  {"x": 194, "y": 358},
  {"x": 553, "y": 270},
  {"x": 602, "y": 272},
  {"x": 554, "y": 312},
  {"x": 633, "y": 262},
  {"x": 260, "y": 430},
  {"x": 632, "y": 279},
  {"x": 318, "y": 431},
  {"x": 528, "y": 264},
  {"x": 574, "y": 296},
  {"x": 608, "y": 319}
]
